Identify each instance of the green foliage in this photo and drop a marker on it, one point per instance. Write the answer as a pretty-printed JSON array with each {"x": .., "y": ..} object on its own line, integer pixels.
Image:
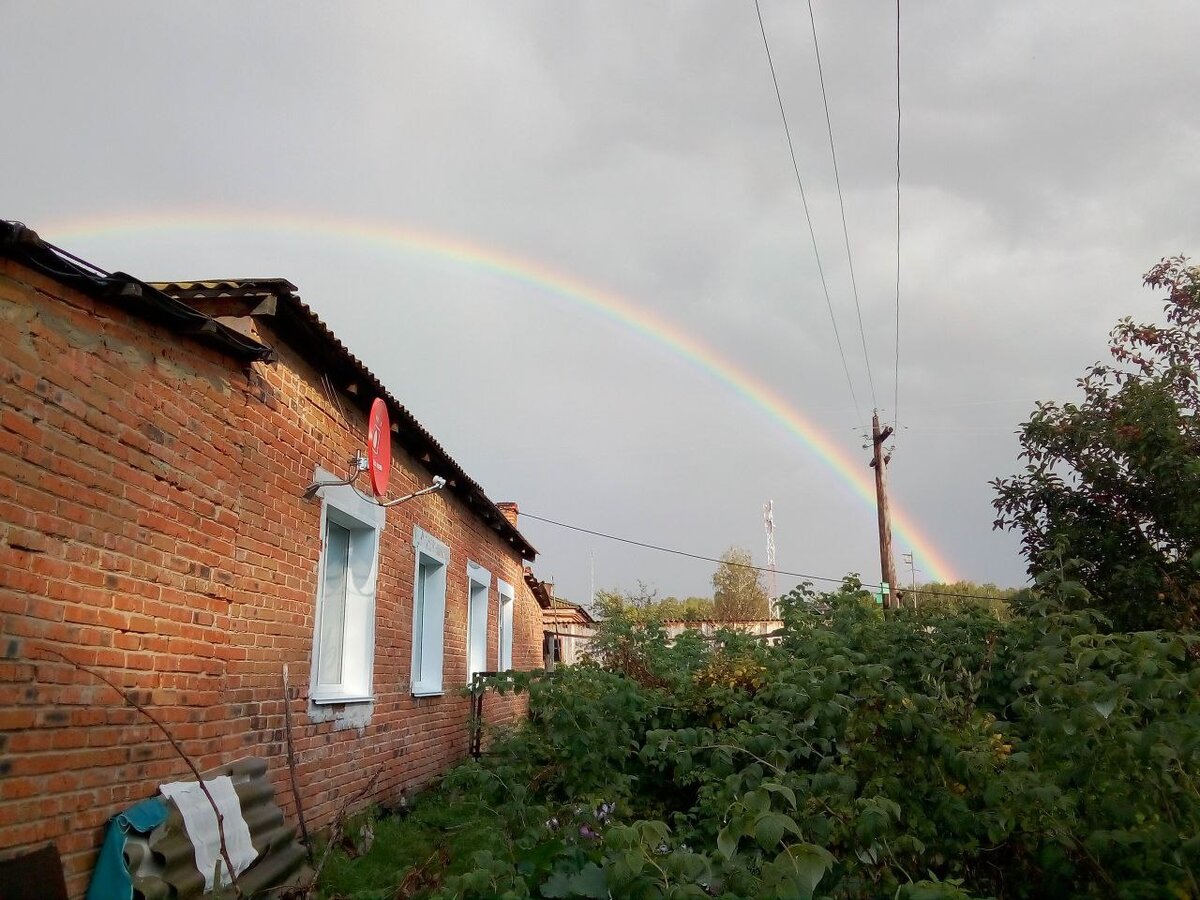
[
  {"x": 643, "y": 605},
  {"x": 959, "y": 594},
  {"x": 688, "y": 609},
  {"x": 738, "y": 590},
  {"x": 920, "y": 753},
  {"x": 1113, "y": 482}
]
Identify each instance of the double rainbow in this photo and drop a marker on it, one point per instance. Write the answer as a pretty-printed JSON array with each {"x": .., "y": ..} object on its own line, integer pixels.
[{"x": 547, "y": 282}]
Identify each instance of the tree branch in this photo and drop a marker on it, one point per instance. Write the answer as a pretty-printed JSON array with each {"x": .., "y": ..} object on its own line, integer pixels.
[{"x": 128, "y": 698}]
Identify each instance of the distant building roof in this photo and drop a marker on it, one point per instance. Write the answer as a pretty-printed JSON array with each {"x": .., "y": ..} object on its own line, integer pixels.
[{"x": 565, "y": 609}]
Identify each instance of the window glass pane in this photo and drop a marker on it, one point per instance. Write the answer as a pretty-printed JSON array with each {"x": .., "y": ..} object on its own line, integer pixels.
[
  {"x": 477, "y": 629},
  {"x": 333, "y": 603},
  {"x": 505, "y": 633},
  {"x": 424, "y": 571}
]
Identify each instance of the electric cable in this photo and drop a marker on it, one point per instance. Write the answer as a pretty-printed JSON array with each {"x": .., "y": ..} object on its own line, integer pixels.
[
  {"x": 83, "y": 262},
  {"x": 837, "y": 180},
  {"x": 896, "y": 400},
  {"x": 807, "y": 215},
  {"x": 712, "y": 559}
]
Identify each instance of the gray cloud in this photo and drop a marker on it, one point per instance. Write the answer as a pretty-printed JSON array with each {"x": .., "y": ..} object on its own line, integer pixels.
[{"x": 1049, "y": 158}]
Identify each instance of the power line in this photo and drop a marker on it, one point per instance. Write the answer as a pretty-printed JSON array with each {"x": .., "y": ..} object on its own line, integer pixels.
[
  {"x": 674, "y": 552},
  {"x": 896, "y": 401},
  {"x": 702, "y": 558},
  {"x": 841, "y": 203},
  {"x": 807, "y": 215}
]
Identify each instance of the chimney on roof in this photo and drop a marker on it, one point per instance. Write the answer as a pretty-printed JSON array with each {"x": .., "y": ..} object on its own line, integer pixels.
[{"x": 510, "y": 511}]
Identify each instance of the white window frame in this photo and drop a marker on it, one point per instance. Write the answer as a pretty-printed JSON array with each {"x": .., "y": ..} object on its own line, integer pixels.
[
  {"x": 341, "y": 505},
  {"x": 504, "y": 625},
  {"x": 479, "y": 586},
  {"x": 429, "y": 613}
]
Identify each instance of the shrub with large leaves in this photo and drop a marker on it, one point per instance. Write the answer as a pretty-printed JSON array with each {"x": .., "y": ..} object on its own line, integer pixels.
[{"x": 919, "y": 753}]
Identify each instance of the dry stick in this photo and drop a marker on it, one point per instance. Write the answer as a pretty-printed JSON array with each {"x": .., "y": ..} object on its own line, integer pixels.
[
  {"x": 128, "y": 698},
  {"x": 336, "y": 828},
  {"x": 291, "y": 758}
]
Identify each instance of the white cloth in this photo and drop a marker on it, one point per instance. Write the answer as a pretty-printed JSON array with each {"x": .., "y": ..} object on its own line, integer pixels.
[{"x": 201, "y": 825}]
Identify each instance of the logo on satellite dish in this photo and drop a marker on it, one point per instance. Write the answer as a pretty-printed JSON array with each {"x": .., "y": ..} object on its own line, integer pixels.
[{"x": 379, "y": 447}]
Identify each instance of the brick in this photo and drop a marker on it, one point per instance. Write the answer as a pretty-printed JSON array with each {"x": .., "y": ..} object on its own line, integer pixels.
[
  {"x": 19, "y": 424},
  {"x": 166, "y": 542}
]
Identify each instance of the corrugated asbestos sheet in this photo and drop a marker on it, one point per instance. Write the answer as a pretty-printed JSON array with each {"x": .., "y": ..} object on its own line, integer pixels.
[
  {"x": 164, "y": 866},
  {"x": 137, "y": 297}
]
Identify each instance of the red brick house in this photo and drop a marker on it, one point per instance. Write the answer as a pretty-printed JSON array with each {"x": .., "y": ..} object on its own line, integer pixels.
[
  {"x": 158, "y": 444},
  {"x": 568, "y": 629}
]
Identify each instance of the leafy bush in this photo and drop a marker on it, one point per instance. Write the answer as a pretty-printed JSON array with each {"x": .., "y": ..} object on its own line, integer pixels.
[
  {"x": 919, "y": 753},
  {"x": 1113, "y": 479}
]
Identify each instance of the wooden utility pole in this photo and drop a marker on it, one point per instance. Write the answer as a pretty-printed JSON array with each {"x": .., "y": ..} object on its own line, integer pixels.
[{"x": 879, "y": 463}]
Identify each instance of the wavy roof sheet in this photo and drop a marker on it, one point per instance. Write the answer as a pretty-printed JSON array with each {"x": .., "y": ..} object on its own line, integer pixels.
[{"x": 296, "y": 323}]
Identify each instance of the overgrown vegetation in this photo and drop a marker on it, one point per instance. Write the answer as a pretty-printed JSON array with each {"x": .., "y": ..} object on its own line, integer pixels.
[
  {"x": 921, "y": 753},
  {"x": 967, "y": 745},
  {"x": 739, "y": 593},
  {"x": 958, "y": 594}
]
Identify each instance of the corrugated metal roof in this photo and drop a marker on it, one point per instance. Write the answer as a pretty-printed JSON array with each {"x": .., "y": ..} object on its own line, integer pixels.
[
  {"x": 163, "y": 864},
  {"x": 301, "y": 327},
  {"x": 137, "y": 297},
  {"x": 171, "y": 304}
]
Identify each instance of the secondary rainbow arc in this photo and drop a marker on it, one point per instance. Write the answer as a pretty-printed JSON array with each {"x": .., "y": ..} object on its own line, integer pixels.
[{"x": 548, "y": 281}]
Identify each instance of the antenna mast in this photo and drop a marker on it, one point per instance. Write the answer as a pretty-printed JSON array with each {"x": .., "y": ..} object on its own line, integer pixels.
[{"x": 769, "y": 524}]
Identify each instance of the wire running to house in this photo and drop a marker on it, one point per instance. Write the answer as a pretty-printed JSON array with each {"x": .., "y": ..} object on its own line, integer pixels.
[
  {"x": 711, "y": 559},
  {"x": 837, "y": 180},
  {"x": 896, "y": 400},
  {"x": 807, "y": 215}
]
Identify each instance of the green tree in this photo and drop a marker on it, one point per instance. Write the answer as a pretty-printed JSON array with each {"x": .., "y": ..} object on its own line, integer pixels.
[
  {"x": 958, "y": 594},
  {"x": 632, "y": 603},
  {"x": 689, "y": 609},
  {"x": 1111, "y": 488},
  {"x": 738, "y": 590},
  {"x": 643, "y": 605}
]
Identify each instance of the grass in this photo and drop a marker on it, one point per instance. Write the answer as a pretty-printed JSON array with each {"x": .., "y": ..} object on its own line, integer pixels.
[{"x": 437, "y": 838}]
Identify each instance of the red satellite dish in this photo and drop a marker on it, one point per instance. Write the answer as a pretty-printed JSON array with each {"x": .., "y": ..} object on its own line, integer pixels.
[{"x": 379, "y": 447}]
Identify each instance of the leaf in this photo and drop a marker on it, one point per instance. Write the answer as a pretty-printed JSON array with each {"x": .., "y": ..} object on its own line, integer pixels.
[
  {"x": 727, "y": 841},
  {"x": 653, "y": 833},
  {"x": 557, "y": 885},
  {"x": 781, "y": 789},
  {"x": 1105, "y": 707},
  {"x": 805, "y": 865},
  {"x": 590, "y": 882},
  {"x": 587, "y": 882},
  {"x": 757, "y": 801},
  {"x": 867, "y": 855},
  {"x": 768, "y": 829}
]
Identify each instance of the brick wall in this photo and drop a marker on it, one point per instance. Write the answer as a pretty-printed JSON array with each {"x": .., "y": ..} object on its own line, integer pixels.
[{"x": 152, "y": 527}]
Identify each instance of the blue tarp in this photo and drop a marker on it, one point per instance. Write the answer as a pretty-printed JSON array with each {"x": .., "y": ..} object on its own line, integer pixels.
[{"x": 110, "y": 878}]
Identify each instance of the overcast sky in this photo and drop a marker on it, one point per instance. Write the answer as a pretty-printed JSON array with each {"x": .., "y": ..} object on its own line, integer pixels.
[{"x": 1051, "y": 155}]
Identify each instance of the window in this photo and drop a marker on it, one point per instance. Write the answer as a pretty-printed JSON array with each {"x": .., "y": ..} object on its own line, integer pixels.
[
  {"x": 344, "y": 630},
  {"x": 429, "y": 612},
  {"x": 479, "y": 580},
  {"x": 504, "y": 663}
]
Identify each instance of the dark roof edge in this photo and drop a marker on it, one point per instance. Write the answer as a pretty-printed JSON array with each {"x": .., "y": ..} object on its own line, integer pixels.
[
  {"x": 136, "y": 297},
  {"x": 300, "y": 327},
  {"x": 407, "y": 431}
]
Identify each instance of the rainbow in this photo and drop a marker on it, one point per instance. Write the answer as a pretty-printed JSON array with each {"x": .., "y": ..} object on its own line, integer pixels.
[{"x": 547, "y": 281}]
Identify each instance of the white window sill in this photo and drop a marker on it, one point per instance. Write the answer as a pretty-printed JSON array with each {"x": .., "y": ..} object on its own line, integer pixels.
[
  {"x": 342, "y": 698},
  {"x": 435, "y": 693}
]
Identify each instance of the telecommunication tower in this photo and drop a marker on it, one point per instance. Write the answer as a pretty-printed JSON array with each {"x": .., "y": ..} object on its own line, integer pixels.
[{"x": 769, "y": 524}]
